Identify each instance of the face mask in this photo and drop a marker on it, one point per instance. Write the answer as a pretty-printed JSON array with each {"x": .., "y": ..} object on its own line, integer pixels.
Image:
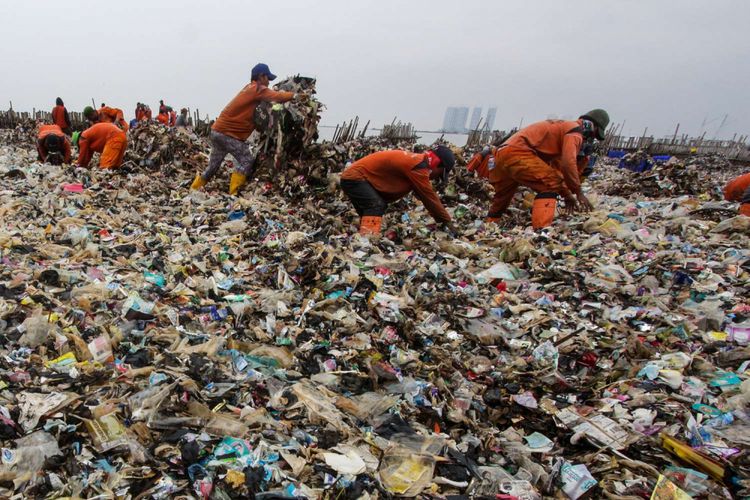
[
  {"x": 432, "y": 160},
  {"x": 588, "y": 129}
]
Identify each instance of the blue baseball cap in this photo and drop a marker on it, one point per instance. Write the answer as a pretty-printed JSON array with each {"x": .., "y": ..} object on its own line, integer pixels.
[{"x": 261, "y": 69}]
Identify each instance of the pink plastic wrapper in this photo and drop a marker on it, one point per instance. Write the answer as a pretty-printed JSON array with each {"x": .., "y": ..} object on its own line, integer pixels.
[{"x": 73, "y": 188}]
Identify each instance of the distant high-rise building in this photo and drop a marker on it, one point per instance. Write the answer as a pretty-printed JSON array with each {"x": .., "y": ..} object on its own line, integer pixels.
[
  {"x": 476, "y": 115},
  {"x": 450, "y": 113},
  {"x": 489, "y": 122},
  {"x": 462, "y": 114},
  {"x": 455, "y": 119}
]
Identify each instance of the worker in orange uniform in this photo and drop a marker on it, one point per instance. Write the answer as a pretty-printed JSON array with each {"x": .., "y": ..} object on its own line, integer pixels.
[
  {"x": 482, "y": 162},
  {"x": 105, "y": 138},
  {"x": 60, "y": 116},
  {"x": 53, "y": 145},
  {"x": 738, "y": 189},
  {"x": 235, "y": 124},
  {"x": 172, "y": 116},
  {"x": 544, "y": 158},
  {"x": 105, "y": 114},
  {"x": 163, "y": 118},
  {"x": 386, "y": 176}
]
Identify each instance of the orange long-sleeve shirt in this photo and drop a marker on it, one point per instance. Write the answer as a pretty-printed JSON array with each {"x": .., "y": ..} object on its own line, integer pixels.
[
  {"x": 93, "y": 140},
  {"x": 113, "y": 115},
  {"x": 46, "y": 130},
  {"x": 738, "y": 189},
  {"x": 394, "y": 174},
  {"x": 236, "y": 119},
  {"x": 60, "y": 117},
  {"x": 556, "y": 142}
]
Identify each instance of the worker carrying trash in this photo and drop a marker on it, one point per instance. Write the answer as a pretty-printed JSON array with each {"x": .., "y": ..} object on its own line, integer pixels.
[
  {"x": 235, "y": 124},
  {"x": 738, "y": 189},
  {"x": 60, "y": 116},
  {"x": 53, "y": 145},
  {"x": 105, "y": 138},
  {"x": 544, "y": 158},
  {"x": 386, "y": 176},
  {"x": 105, "y": 114}
]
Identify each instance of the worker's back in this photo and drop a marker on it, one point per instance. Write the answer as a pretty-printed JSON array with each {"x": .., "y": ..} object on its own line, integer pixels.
[{"x": 545, "y": 137}]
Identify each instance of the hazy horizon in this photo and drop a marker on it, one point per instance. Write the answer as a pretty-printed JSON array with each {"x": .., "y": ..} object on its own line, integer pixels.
[{"x": 649, "y": 64}]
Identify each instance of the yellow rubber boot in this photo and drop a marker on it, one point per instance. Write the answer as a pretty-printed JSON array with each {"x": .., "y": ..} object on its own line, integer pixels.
[
  {"x": 745, "y": 209},
  {"x": 236, "y": 182},
  {"x": 198, "y": 183},
  {"x": 370, "y": 224},
  {"x": 543, "y": 211}
]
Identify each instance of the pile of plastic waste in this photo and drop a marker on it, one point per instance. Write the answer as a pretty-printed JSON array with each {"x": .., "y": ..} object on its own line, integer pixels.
[
  {"x": 154, "y": 145},
  {"x": 162, "y": 343},
  {"x": 695, "y": 175}
]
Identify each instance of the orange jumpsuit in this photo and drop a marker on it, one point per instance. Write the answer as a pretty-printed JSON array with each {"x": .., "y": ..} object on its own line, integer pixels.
[
  {"x": 482, "y": 162},
  {"x": 46, "y": 130},
  {"x": 113, "y": 115},
  {"x": 104, "y": 138},
  {"x": 162, "y": 118},
  {"x": 738, "y": 189},
  {"x": 172, "y": 118},
  {"x": 543, "y": 157},
  {"x": 394, "y": 174}
]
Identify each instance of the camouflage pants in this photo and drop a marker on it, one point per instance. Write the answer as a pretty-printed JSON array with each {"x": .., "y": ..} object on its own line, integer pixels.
[{"x": 221, "y": 146}]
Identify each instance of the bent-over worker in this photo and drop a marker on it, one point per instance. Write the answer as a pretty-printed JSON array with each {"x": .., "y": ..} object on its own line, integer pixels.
[
  {"x": 105, "y": 138},
  {"x": 544, "y": 158},
  {"x": 738, "y": 189},
  {"x": 386, "y": 176},
  {"x": 53, "y": 145}
]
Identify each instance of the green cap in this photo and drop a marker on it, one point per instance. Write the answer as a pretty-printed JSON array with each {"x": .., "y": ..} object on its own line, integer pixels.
[
  {"x": 76, "y": 137},
  {"x": 87, "y": 111},
  {"x": 600, "y": 119}
]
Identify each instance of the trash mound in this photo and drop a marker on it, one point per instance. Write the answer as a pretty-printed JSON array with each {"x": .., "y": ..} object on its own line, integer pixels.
[
  {"x": 24, "y": 134},
  {"x": 285, "y": 130},
  {"x": 693, "y": 176},
  {"x": 163, "y": 343},
  {"x": 154, "y": 145}
]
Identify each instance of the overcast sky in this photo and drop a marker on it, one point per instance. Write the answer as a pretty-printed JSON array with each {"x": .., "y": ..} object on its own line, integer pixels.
[{"x": 651, "y": 63}]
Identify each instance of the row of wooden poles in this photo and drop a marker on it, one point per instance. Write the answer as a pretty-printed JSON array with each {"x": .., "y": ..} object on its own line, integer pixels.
[
  {"x": 12, "y": 119},
  {"x": 347, "y": 131},
  {"x": 396, "y": 130},
  {"x": 735, "y": 148}
]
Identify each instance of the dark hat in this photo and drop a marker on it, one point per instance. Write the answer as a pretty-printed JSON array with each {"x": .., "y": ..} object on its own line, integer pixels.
[
  {"x": 53, "y": 143},
  {"x": 262, "y": 69},
  {"x": 447, "y": 159},
  {"x": 600, "y": 119}
]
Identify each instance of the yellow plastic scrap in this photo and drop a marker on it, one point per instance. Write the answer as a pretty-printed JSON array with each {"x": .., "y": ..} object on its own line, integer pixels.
[
  {"x": 699, "y": 460},
  {"x": 667, "y": 490}
]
